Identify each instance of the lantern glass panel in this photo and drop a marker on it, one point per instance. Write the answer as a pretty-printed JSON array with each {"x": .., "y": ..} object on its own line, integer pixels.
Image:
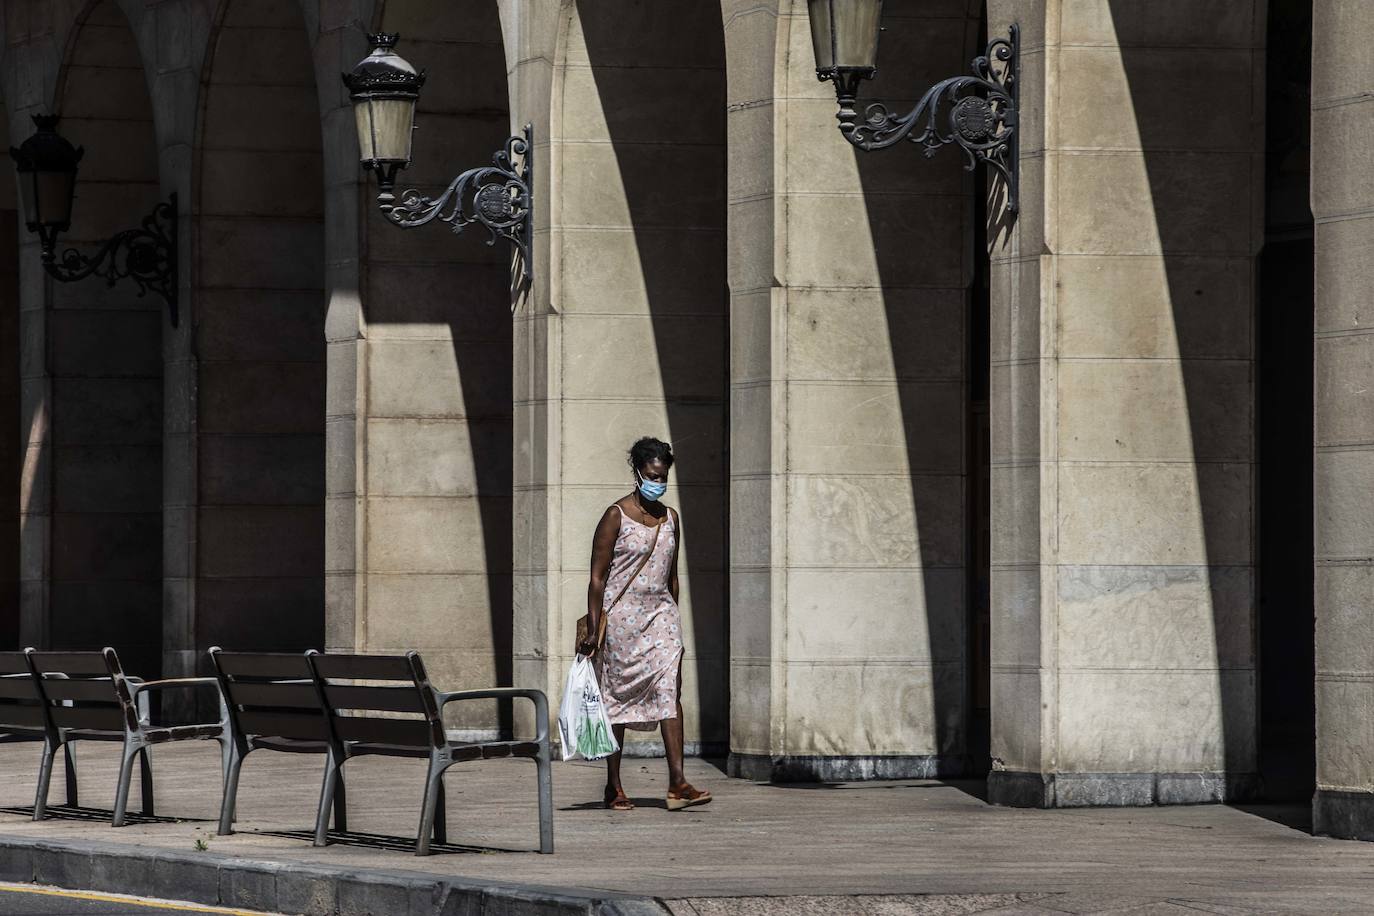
[
  {"x": 47, "y": 198},
  {"x": 385, "y": 128},
  {"x": 854, "y": 25},
  {"x": 822, "y": 35}
]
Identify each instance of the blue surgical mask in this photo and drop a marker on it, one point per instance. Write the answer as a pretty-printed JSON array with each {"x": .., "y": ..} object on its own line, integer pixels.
[{"x": 652, "y": 490}]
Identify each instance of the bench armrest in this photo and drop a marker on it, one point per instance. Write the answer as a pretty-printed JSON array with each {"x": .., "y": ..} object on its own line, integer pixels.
[
  {"x": 139, "y": 692},
  {"x": 541, "y": 703}
]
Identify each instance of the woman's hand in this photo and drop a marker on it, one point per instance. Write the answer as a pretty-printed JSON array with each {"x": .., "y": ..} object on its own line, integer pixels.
[{"x": 588, "y": 649}]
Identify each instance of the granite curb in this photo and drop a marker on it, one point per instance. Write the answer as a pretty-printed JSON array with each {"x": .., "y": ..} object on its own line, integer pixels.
[{"x": 305, "y": 889}]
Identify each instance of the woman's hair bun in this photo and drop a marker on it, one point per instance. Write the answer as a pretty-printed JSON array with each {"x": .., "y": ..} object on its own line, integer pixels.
[{"x": 650, "y": 449}]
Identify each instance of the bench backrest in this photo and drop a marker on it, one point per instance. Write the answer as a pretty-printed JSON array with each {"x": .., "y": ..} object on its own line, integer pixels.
[
  {"x": 21, "y": 705},
  {"x": 359, "y": 689},
  {"x": 270, "y": 693},
  {"x": 85, "y": 690}
]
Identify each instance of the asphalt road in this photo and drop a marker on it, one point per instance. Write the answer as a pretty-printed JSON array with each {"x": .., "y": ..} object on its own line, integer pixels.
[{"x": 26, "y": 900}]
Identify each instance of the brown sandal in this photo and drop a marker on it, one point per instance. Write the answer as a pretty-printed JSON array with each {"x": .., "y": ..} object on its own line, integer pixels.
[
  {"x": 616, "y": 800},
  {"x": 685, "y": 796}
]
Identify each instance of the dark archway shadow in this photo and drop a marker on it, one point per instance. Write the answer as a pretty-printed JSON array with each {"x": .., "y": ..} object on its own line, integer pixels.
[
  {"x": 932, "y": 275},
  {"x": 1200, "y": 183},
  {"x": 259, "y": 376},
  {"x": 104, "y": 368},
  {"x": 660, "y": 75}
]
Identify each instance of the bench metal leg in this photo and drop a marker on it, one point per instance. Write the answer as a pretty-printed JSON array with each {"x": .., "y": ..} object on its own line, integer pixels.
[
  {"x": 441, "y": 816},
  {"x": 331, "y": 780},
  {"x": 232, "y": 765},
  {"x": 433, "y": 782},
  {"x": 544, "y": 774},
  {"x": 340, "y": 805},
  {"x": 40, "y": 798},
  {"x": 126, "y": 775},
  {"x": 146, "y": 781},
  {"x": 69, "y": 758}
]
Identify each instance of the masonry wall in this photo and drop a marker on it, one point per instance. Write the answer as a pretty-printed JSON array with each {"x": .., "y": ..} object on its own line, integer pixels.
[
  {"x": 625, "y": 334},
  {"x": 103, "y": 350},
  {"x": 1122, "y": 430},
  {"x": 848, "y": 277},
  {"x": 259, "y": 330},
  {"x": 435, "y": 410},
  {"x": 1343, "y": 208}
]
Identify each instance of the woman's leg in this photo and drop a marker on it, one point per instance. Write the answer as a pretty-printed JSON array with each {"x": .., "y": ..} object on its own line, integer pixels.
[
  {"x": 672, "y": 746},
  {"x": 613, "y": 786}
]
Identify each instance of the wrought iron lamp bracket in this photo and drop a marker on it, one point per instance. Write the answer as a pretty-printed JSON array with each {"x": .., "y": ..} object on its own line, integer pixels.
[
  {"x": 496, "y": 197},
  {"x": 980, "y": 114},
  {"x": 146, "y": 255}
]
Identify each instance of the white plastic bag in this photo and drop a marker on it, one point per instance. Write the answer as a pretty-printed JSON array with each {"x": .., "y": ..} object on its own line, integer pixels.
[{"x": 584, "y": 729}]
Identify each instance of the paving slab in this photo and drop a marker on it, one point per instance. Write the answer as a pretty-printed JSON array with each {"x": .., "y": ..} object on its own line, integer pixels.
[{"x": 906, "y": 846}]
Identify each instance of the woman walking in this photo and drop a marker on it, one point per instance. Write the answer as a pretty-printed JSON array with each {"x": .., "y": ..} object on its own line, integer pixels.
[{"x": 632, "y": 599}]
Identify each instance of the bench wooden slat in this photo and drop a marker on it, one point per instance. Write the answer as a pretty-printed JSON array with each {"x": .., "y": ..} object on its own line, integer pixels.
[
  {"x": 13, "y": 663},
  {"x": 108, "y": 718},
  {"x": 407, "y": 732},
  {"x": 298, "y": 725},
  {"x": 71, "y": 662},
  {"x": 58, "y": 688},
  {"x": 280, "y": 665},
  {"x": 297, "y": 696},
  {"x": 14, "y": 714},
  {"x": 388, "y": 699},
  {"x": 20, "y": 687},
  {"x": 364, "y": 667}
]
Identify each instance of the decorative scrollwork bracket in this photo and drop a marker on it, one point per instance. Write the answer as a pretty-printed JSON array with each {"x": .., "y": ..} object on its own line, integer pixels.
[
  {"x": 496, "y": 197},
  {"x": 146, "y": 255},
  {"x": 980, "y": 114}
]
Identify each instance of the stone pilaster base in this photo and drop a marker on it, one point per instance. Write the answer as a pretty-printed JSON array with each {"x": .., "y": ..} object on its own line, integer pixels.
[
  {"x": 1113, "y": 790},
  {"x": 805, "y": 768},
  {"x": 1344, "y": 815}
]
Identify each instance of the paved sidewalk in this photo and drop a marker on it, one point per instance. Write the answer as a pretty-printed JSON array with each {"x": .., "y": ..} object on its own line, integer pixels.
[{"x": 907, "y": 846}]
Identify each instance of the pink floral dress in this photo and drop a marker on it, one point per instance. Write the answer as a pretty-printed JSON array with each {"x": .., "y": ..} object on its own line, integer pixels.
[{"x": 638, "y": 664}]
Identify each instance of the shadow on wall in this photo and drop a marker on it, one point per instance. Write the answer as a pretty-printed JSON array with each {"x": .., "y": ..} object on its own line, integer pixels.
[
  {"x": 104, "y": 366},
  {"x": 660, "y": 75},
  {"x": 1199, "y": 197},
  {"x": 920, "y": 215},
  {"x": 258, "y": 202}
]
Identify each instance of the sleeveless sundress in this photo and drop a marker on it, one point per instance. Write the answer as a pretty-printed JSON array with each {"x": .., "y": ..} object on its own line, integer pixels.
[{"x": 638, "y": 663}]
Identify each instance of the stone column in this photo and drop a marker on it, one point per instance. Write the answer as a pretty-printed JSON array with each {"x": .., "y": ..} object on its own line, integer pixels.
[
  {"x": 623, "y": 334},
  {"x": 848, "y": 280},
  {"x": 1343, "y": 209},
  {"x": 1122, "y": 431}
]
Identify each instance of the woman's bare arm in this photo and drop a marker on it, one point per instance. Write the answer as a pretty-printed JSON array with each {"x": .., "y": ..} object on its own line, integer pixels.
[
  {"x": 672, "y": 573},
  {"x": 603, "y": 546}
]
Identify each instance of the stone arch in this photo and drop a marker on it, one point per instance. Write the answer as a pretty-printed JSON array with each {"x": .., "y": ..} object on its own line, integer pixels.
[
  {"x": 259, "y": 280},
  {"x": 104, "y": 363}
]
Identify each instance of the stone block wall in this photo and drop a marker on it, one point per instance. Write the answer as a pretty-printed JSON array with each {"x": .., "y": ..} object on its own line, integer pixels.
[
  {"x": 1122, "y": 397},
  {"x": 1343, "y": 208}
]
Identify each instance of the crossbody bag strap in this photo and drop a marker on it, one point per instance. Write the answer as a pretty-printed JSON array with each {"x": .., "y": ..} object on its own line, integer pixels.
[{"x": 601, "y": 629}]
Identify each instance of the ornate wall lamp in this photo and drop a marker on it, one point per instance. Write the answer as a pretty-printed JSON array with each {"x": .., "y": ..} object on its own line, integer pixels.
[
  {"x": 384, "y": 88},
  {"x": 980, "y": 110},
  {"x": 46, "y": 164}
]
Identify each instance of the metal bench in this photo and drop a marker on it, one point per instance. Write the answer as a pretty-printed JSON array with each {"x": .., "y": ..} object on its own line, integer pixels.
[
  {"x": 273, "y": 704},
  {"x": 87, "y": 697},
  {"x": 384, "y": 705},
  {"x": 23, "y": 716}
]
